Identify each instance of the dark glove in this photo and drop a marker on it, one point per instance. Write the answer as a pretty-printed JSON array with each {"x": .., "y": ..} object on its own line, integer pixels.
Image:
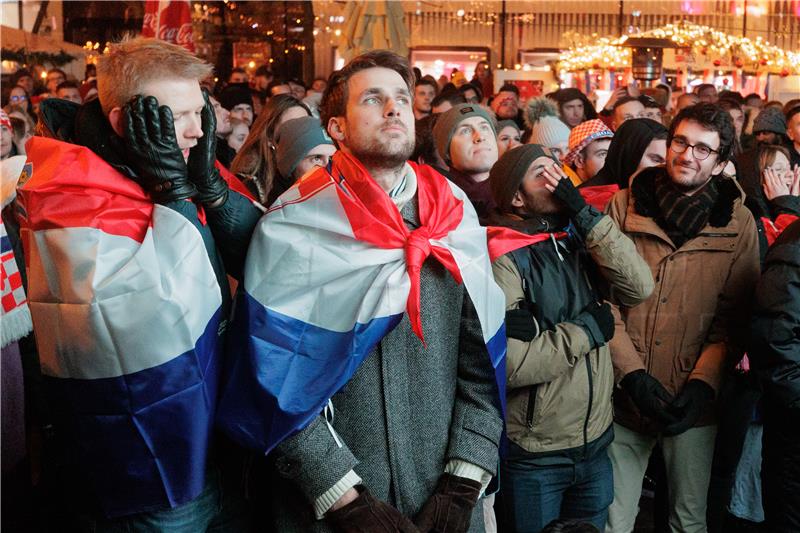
[
  {"x": 521, "y": 325},
  {"x": 569, "y": 196},
  {"x": 152, "y": 152},
  {"x": 598, "y": 322},
  {"x": 688, "y": 406},
  {"x": 449, "y": 508},
  {"x": 366, "y": 514},
  {"x": 202, "y": 172},
  {"x": 583, "y": 216},
  {"x": 650, "y": 396}
]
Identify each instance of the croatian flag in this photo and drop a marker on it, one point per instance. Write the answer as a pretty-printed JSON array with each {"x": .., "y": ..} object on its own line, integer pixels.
[
  {"x": 331, "y": 270},
  {"x": 126, "y": 309}
]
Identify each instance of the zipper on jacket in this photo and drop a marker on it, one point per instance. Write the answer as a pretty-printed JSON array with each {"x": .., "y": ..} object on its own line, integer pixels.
[
  {"x": 531, "y": 406},
  {"x": 591, "y": 400}
]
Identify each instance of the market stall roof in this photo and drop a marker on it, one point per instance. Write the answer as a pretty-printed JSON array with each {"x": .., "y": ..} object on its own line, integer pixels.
[
  {"x": 14, "y": 40},
  {"x": 705, "y": 46}
]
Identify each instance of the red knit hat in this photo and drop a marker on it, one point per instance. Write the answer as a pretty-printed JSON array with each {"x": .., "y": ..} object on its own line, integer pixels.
[{"x": 584, "y": 134}]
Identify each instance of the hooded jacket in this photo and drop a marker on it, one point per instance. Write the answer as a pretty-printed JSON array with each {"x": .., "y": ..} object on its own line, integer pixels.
[
  {"x": 692, "y": 325},
  {"x": 559, "y": 389}
]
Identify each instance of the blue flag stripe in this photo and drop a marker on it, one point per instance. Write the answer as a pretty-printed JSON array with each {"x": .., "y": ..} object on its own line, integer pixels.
[{"x": 143, "y": 438}]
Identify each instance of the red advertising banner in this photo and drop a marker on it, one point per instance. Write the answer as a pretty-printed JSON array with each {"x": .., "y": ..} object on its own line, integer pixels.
[{"x": 169, "y": 20}]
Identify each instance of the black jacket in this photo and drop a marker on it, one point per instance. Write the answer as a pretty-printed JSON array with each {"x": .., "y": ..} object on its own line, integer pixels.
[{"x": 775, "y": 330}]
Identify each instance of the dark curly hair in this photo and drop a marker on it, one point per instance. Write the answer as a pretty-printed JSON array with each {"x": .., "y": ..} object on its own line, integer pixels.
[{"x": 712, "y": 118}]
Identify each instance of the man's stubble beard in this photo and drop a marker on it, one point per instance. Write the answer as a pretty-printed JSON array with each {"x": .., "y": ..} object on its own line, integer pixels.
[{"x": 384, "y": 156}]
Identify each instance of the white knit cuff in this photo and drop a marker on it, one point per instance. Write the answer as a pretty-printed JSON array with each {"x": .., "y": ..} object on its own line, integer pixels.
[
  {"x": 332, "y": 495},
  {"x": 457, "y": 467}
]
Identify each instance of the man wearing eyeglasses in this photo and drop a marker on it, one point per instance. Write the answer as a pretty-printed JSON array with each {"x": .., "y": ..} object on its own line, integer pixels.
[{"x": 690, "y": 225}]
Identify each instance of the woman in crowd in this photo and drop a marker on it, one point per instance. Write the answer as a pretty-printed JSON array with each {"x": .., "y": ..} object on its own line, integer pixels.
[
  {"x": 300, "y": 145},
  {"x": 238, "y": 134},
  {"x": 508, "y": 136},
  {"x": 255, "y": 162},
  {"x": 639, "y": 143},
  {"x": 781, "y": 190},
  {"x": 20, "y": 100}
]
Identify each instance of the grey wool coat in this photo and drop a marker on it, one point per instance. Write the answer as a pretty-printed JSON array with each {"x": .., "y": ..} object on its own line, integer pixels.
[{"x": 406, "y": 412}]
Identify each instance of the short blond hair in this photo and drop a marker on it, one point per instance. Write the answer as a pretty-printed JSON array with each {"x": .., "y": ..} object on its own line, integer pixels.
[{"x": 133, "y": 62}]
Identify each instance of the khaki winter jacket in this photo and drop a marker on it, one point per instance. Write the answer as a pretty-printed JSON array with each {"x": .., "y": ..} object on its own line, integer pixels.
[
  {"x": 558, "y": 390},
  {"x": 693, "y": 323}
]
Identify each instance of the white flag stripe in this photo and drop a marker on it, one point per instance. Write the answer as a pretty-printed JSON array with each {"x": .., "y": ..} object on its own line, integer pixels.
[{"x": 129, "y": 306}]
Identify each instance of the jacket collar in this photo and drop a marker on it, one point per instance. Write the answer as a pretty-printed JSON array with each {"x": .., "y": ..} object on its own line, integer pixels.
[
  {"x": 84, "y": 125},
  {"x": 643, "y": 214}
]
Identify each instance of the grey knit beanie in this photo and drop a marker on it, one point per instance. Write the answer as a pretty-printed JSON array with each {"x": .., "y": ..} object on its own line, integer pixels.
[
  {"x": 770, "y": 119},
  {"x": 507, "y": 174},
  {"x": 294, "y": 139},
  {"x": 447, "y": 122},
  {"x": 549, "y": 131},
  {"x": 508, "y": 123}
]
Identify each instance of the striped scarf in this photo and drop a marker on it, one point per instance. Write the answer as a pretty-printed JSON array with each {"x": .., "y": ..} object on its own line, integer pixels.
[{"x": 682, "y": 216}]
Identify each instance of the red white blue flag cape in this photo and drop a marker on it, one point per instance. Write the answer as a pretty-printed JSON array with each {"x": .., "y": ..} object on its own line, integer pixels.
[
  {"x": 331, "y": 270},
  {"x": 126, "y": 308}
]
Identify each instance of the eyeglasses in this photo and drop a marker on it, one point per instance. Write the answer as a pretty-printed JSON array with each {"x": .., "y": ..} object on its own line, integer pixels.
[
  {"x": 699, "y": 151},
  {"x": 18, "y": 98}
]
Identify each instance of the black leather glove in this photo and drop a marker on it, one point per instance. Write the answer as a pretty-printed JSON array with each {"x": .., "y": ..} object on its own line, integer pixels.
[
  {"x": 449, "y": 508},
  {"x": 569, "y": 196},
  {"x": 650, "y": 396},
  {"x": 366, "y": 514},
  {"x": 202, "y": 172},
  {"x": 521, "y": 325},
  {"x": 152, "y": 151},
  {"x": 688, "y": 406},
  {"x": 598, "y": 322}
]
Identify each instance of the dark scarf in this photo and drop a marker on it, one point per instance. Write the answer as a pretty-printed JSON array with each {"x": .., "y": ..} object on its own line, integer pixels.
[
  {"x": 684, "y": 216},
  {"x": 479, "y": 192}
]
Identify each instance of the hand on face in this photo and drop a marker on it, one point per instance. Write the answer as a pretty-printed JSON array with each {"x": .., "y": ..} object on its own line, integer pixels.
[
  {"x": 794, "y": 186},
  {"x": 774, "y": 184},
  {"x": 552, "y": 175}
]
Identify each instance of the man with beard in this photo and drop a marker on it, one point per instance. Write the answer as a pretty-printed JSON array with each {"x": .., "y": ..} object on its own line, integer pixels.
[
  {"x": 505, "y": 105},
  {"x": 466, "y": 141},
  {"x": 560, "y": 376},
  {"x": 225, "y": 153},
  {"x": 690, "y": 225},
  {"x": 417, "y": 425}
]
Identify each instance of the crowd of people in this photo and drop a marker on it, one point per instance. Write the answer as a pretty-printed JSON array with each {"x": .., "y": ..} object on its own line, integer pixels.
[{"x": 384, "y": 302}]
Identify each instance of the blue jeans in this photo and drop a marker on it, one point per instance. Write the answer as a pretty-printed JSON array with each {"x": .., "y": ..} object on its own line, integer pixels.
[
  {"x": 533, "y": 496},
  {"x": 213, "y": 511}
]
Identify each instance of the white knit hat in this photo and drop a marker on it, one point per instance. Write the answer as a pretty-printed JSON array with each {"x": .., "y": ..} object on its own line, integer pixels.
[{"x": 549, "y": 131}]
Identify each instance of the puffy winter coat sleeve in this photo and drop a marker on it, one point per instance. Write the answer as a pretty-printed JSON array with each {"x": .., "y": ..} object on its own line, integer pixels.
[
  {"x": 624, "y": 355},
  {"x": 775, "y": 328},
  {"x": 629, "y": 281},
  {"x": 727, "y": 336},
  {"x": 551, "y": 352}
]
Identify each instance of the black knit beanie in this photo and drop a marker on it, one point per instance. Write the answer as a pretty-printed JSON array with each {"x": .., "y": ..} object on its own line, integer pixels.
[
  {"x": 235, "y": 94},
  {"x": 507, "y": 174}
]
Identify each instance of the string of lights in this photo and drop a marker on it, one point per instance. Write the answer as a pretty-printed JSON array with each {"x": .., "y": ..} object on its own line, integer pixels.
[{"x": 751, "y": 55}]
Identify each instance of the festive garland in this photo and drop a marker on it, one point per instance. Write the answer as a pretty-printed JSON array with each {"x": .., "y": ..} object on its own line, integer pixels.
[
  {"x": 24, "y": 57},
  {"x": 751, "y": 55}
]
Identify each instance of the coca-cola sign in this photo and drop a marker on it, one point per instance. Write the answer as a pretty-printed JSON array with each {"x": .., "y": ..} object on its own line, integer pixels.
[{"x": 169, "y": 20}]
